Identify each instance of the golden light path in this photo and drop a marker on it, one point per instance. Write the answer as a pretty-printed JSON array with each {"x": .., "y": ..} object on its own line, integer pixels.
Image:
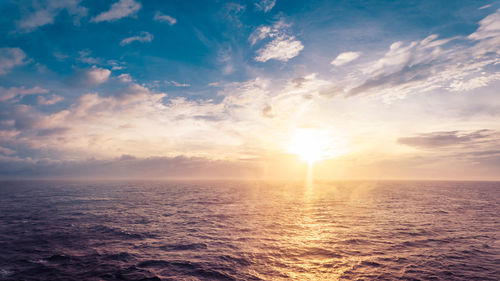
[{"x": 313, "y": 145}]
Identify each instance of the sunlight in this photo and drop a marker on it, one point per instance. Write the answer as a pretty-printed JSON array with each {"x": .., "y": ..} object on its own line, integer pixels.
[{"x": 313, "y": 144}]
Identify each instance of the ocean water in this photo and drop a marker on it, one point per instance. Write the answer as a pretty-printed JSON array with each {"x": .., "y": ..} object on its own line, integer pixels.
[{"x": 249, "y": 231}]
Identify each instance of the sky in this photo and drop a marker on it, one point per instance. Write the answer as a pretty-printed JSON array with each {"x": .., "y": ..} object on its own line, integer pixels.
[{"x": 240, "y": 89}]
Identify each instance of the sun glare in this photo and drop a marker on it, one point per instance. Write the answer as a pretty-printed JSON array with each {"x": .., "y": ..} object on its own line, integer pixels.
[{"x": 312, "y": 144}]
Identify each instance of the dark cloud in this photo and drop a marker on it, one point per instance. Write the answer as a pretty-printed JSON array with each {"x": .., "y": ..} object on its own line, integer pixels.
[
  {"x": 464, "y": 152},
  {"x": 52, "y": 131},
  {"x": 449, "y": 138},
  {"x": 128, "y": 167},
  {"x": 299, "y": 81},
  {"x": 267, "y": 111}
]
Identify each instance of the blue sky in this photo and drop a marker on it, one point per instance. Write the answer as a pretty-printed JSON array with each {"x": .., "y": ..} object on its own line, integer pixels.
[{"x": 230, "y": 80}]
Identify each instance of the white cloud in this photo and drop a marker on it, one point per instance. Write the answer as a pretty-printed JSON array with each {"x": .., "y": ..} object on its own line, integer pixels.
[
  {"x": 281, "y": 49},
  {"x": 283, "y": 45},
  {"x": 135, "y": 122},
  {"x": 176, "y": 84},
  {"x": 116, "y": 65},
  {"x": 142, "y": 37},
  {"x": 97, "y": 75},
  {"x": 125, "y": 78},
  {"x": 19, "y": 92},
  {"x": 164, "y": 18},
  {"x": 47, "y": 14},
  {"x": 120, "y": 9},
  {"x": 278, "y": 29},
  {"x": 488, "y": 27},
  {"x": 52, "y": 99},
  {"x": 345, "y": 57},
  {"x": 9, "y": 58},
  {"x": 90, "y": 77},
  {"x": 265, "y": 5},
  {"x": 430, "y": 64}
]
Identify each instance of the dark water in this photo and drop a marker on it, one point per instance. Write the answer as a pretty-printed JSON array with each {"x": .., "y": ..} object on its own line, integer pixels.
[{"x": 249, "y": 231}]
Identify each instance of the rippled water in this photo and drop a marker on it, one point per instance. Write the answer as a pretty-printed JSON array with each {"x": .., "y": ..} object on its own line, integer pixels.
[{"x": 249, "y": 231}]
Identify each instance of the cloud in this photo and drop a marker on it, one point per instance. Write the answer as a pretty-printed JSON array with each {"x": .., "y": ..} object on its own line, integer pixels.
[
  {"x": 125, "y": 78},
  {"x": 96, "y": 75},
  {"x": 453, "y": 64},
  {"x": 345, "y": 58},
  {"x": 60, "y": 56},
  {"x": 282, "y": 47},
  {"x": 489, "y": 27},
  {"x": 52, "y": 99},
  {"x": 45, "y": 13},
  {"x": 10, "y": 58},
  {"x": 116, "y": 65},
  {"x": 425, "y": 65},
  {"x": 450, "y": 138},
  {"x": 465, "y": 152},
  {"x": 8, "y": 134},
  {"x": 164, "y": 18},
  {"x": 86, "y": 58},
  {"x": 176, "y": 84},
  {"x": 120, "y": 9},
  {"x": 142, "y": 122},
  {"x": 265, "y": 5},
  {"x": 129, "y": 167},
  {"x": 90, "y": 77},
  {"x": 6, "y": 151},
  {"x": 232, "y": 12},
  {"x": 142, "y": 37},
  {"x": 19, "y": 92}
]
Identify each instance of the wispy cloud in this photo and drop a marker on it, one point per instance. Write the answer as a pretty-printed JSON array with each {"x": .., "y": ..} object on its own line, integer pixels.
[
  {"x": 125, "y": 78},
  {"x": 431, "y": 63},
  {"x": 436, "y": 140},
  {"x": 345, "y": 58},
  {"x": 232, "y": 12},
  {"x": 164, "y": 18},
  {"x": 265, "y": 5},
  {"x": 86, "y": 58},
  {"x": 47, "y": 13},
  {"x": 142, "y": 37},
  {"x": 176, "y": 84},
  {"x": 19, "y": 92},
  {"x": 281, "y": 49},
  {"x": 283, "y": 46},
  {"x": 120, "y": 9},
  {"x": 6, "y": 151},
  {"x": 10, "y": 58},
  {"x": 50, "y": 100},
  {"x": 485, "y": 6}
]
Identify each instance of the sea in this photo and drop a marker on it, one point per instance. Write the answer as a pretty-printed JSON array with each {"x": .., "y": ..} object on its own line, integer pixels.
[{"x": 249, "y": 230}]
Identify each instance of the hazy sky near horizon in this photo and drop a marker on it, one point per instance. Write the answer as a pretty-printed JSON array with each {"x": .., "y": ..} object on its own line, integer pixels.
[{"x": 142, "y": 88}]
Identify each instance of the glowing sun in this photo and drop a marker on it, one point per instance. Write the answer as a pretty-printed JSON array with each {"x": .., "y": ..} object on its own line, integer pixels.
[{"x": 312, "y": 144}]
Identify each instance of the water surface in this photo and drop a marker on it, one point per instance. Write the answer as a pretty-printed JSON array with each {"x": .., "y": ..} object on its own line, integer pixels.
[{"x": 249, "y": 231}]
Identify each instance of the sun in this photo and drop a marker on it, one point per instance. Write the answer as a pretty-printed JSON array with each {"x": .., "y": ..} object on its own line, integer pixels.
[{"x": 311, "y": 144}]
